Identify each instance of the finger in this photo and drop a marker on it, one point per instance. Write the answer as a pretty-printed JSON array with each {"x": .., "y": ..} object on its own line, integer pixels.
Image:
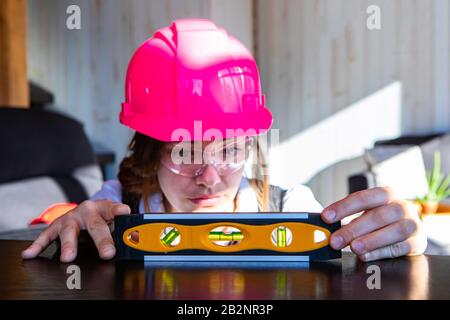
[
  {"x": 107, "y": 209},
  {"x": 112, "y": 209},
  {"x": 100, "y": 233},
  {"x": 370, "y": 221},
  {"x": 69, "y": 240},
  {"x": 412, "y": 247},
  {"x": 43, "y": 240},
  {"x": 357, "y": 202},
  {"x": 391, "y": 251},
  {"x": 391, "y": 234}
]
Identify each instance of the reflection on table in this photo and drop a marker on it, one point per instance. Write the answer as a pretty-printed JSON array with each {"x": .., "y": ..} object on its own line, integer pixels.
[{"x": 422, "y": 277}]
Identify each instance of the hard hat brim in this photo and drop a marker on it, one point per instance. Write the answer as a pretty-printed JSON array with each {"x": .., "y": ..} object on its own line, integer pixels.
[{"x": 171, "y": 129}]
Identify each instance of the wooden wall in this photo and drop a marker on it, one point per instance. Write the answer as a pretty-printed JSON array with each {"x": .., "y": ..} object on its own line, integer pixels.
[
  {"x": 333, "y": 85},
  {"x": 14, "y": 90}
]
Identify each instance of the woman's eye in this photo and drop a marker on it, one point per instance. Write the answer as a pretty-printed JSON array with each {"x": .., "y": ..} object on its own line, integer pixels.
[
  {"x": 187, "y": 154},
  {"x": 234, "y": 154},
  {"x": 232, "y": 150}
]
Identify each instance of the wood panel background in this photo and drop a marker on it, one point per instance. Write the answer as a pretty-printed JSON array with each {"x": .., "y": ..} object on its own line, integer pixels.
[
  {"x": 14, "y": 90},
  {"x": 333, "y": 85}
]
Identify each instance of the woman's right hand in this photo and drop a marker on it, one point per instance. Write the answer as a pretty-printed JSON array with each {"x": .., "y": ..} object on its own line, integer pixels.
[{"x": 90, "y": 215}]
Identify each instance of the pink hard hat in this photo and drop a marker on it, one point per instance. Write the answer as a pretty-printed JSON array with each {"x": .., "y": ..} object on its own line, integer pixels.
[{"x": 193, "y": 76}]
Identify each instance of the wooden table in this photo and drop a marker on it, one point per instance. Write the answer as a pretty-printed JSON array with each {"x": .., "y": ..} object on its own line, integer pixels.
[{"x": 422, "y": 277}]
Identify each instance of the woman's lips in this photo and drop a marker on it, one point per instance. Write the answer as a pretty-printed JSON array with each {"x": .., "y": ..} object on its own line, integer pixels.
[{"x": 206, "y": 201}]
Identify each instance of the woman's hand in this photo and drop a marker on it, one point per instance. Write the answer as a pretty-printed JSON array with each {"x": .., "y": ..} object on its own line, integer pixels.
[
  {"x": 388, "y": 228},
  {"x": 91, "y": 215}
]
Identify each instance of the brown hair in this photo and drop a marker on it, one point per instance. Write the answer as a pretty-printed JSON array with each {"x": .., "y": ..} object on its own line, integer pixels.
[{"x": 137, "y": 172}]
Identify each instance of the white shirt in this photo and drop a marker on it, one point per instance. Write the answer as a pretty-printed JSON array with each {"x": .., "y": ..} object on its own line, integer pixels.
[{"x": 297, "y": 199}]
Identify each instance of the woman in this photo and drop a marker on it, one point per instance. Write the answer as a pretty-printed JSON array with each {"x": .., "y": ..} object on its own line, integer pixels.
[{"x": 193, "y": 97}]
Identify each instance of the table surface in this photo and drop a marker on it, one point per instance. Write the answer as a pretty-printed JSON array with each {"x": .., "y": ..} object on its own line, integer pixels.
[{"x": 422, "y": 277}]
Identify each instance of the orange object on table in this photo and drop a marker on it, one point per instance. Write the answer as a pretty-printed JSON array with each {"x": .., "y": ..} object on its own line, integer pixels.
[{"x": 53, "y": 212}]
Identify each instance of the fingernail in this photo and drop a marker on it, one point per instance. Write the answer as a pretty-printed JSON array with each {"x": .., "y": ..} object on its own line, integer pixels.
[
  {"x": 337, "y": 242},
  {"x": 124, "y": 209},
  {"x": 366, "y": 257},
  {"x": 67, "y": 255},
  {"x": 108, "y": 251},
  {"x": 330, "y": 215},
  {"x": 26, "y": 253},
  {"x": 358, "y": 246}
]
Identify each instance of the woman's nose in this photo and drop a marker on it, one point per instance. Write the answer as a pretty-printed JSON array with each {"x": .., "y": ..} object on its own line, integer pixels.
[{"x": 210, "y": 177}]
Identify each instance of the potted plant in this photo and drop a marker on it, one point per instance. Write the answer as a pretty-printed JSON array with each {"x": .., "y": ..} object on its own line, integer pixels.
[{"x": 438, "y": 187}]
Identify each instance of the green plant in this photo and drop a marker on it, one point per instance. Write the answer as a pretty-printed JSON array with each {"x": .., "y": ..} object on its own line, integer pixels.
[{"x": 438, "y": 184}]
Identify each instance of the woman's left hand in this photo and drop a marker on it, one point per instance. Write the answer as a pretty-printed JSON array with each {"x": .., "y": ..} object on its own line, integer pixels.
[{"x": 389, "y": 227}]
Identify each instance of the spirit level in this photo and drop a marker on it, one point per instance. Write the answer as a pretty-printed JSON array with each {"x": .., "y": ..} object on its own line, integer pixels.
[{"x": 224, "y": 237}]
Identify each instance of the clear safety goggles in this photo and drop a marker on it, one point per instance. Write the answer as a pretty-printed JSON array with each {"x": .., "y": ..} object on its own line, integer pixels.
[{"x": 190, "y": 159}]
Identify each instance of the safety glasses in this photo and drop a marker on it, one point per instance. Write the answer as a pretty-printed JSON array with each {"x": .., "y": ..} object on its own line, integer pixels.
[{"x": 190, "y": 159}]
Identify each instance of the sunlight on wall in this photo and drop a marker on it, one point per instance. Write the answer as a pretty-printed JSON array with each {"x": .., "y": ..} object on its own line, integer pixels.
[{"x": 342, "y": 136}]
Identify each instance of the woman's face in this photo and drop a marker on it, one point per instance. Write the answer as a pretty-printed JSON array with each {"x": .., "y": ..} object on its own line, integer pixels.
[{"x": 209, "y": 191}]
